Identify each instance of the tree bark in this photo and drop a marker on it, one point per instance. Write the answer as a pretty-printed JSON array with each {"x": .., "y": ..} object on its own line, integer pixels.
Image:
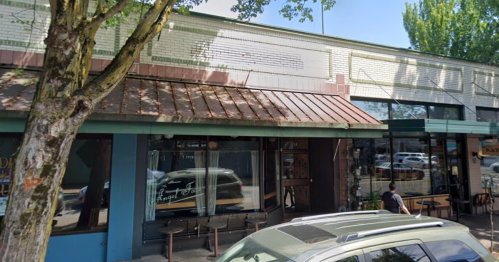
[
  {"x": 61, "y": 104},
  {"x": 95, "y": 189},
  {"x": 38, "y": 172}
]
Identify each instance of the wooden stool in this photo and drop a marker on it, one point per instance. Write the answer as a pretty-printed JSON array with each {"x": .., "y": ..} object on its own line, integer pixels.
[
  {"x": 170, "y": 231},
  {"x": 256, "y": 221},
  {"x": 215, "y": 225}
]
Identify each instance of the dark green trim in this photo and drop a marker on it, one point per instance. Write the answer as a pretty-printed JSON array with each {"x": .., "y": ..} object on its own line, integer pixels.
[
  {"x": 442, "y": 126},
  {"x": 21, "y": 43},
  {"x": 114, "y": 127}
]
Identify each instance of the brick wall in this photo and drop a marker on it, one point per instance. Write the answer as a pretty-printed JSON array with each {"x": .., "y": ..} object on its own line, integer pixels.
[{"x": 205, "y": 49}]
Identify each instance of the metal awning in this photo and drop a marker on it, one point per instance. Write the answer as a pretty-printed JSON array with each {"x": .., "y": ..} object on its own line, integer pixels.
[
  {"x": 193, "y": 105},
  {"x": 442, "y": 126}
]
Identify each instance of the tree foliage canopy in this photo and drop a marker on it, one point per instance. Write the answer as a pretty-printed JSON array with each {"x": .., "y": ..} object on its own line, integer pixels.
[{"x": 460, "y": 28}]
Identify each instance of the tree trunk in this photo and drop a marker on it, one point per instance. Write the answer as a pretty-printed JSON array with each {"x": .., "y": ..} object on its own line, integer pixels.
[
  {"x": 38, "y": 172},
  {"x": 95, "y": 189}
]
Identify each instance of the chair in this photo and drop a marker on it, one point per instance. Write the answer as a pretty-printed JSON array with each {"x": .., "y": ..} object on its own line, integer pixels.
[
  {"x": 169, "y": 231},
  {"x": 256, "y": 220},
  {"x": 481, "y": 199},
  {"x": 215, "y": 225}
]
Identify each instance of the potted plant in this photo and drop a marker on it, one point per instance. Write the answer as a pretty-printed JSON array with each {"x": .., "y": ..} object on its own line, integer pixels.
[{"x": 374, "y": 202}]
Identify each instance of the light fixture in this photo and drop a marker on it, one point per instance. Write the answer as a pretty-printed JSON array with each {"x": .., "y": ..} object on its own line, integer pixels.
[
  {"x": 157, "y": 137},
  {"x": 168, "y": 136},
  {"x": 171, "y": 25},
  {"x": 477, "y": 155}
]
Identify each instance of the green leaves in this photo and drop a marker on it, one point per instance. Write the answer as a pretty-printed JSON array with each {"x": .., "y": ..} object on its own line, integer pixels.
[
  {"x": 248, "y": 9},
  {"x": 461, "y": 28}
]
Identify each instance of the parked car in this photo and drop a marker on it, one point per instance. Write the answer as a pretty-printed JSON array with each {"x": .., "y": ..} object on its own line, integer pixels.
[
  {"x": 380, "y": 158},
  {"x": 180, "y": 186},
  {"x": 105, "y": 195},
  {"x": 401, "y": 172},
  {"x": 60, "y": 205},
  {"x": 399, "y": 157},
  {"x": 494, "y": 167},
  {"x": 419, "y": 162},
  {"x": 360, "y": 237}
]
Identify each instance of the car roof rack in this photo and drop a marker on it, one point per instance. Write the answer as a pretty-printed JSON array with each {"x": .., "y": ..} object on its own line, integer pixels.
[
  {"x": 355, "y": 236},
  {"x": 341, "y": 214}
]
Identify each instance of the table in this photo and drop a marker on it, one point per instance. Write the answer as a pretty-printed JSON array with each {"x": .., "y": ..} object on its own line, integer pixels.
[
  {"x": 429, "y": 204},
  {"x": 170, "y": 230},
  {"x": 256, "y": 221},
  {"x": 215, "y": 225},
  {"x": 458, "y": 202}
]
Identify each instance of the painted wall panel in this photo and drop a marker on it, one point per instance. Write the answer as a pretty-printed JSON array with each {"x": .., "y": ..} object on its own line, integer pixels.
[
  {"x": 121, "y": 212},
  {"x": 77, "y": 248}
]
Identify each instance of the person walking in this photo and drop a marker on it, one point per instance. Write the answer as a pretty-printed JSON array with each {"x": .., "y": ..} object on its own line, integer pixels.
[{"x": 392, "y": 201}]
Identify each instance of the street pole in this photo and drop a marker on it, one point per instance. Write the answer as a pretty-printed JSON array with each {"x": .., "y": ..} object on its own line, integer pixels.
[{"x": 322, "y": 9}]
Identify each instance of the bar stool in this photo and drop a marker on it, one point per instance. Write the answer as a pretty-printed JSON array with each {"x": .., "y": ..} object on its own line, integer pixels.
[
  {"x": 215, "y": 225},
  {"x": 256, "y": 221},
  {"x": 170, "y": 230}
]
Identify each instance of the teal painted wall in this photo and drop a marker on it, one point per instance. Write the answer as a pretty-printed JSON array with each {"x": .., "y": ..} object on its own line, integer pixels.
[
  {"x": 77, "y": 248},
  {"x": 120, "y": 234}
]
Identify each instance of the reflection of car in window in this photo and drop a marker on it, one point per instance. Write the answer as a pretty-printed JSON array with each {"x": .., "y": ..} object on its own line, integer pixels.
[
  {"x": 419, "y": 162},
  {"x": 180, "y": 187},
  {"x": 105, "y": 194},
  {"x": 401, "y": 171}
]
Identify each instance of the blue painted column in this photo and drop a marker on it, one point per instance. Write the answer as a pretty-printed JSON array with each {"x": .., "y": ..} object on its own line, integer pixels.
[{"x": 120, "y": 234}]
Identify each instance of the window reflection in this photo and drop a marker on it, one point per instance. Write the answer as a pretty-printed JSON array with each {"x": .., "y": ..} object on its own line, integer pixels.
[
  {"x": 272, "y": 190},
  {"x": 489, "y": 165},
  {"x": 378, "y": 110},
  {"x": 453, "y": 250},
  {"x": 442, "y": 112},
  {"x": 411, "y": 165},
  {"x": 176, "y": 175},
  {"x": 409, "y": 253},
  {"x": 487, "y": 115},
  {"x": 83, "y": 200},
  {"x": 407, "y": 111}
]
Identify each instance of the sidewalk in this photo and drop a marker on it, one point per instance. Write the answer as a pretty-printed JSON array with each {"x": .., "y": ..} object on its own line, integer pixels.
[{"x": 479, "y": 226}]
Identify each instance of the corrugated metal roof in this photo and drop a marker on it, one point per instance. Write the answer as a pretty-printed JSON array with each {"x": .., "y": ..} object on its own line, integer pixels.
[{"x": 143, "y": 97}]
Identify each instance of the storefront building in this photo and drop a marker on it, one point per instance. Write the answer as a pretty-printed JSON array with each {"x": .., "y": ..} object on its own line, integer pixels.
[{"x": 243, "y": 120}]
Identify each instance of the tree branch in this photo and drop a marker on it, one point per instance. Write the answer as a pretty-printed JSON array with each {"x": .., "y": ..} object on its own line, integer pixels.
[
  {"x": 152, "y": 23},
  {"x": 100, "y": 17}
]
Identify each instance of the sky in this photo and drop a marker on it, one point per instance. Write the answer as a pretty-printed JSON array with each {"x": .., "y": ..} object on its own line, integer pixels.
[{"x": 374, "y": 21}]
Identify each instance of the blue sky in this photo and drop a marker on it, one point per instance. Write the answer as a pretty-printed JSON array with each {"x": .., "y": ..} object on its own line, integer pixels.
[{"x": 374, "y": 21}]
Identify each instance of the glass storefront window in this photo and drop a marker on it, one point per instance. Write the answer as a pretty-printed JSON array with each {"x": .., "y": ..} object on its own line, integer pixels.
[
  {"x": 489, "y": 165},
  {"x": 233, "y": 177},
  {"x": 408, "y": 111},
  {"x": 176, "y": 177},
  {"x": 411, "y": 166},
  {"x": 438, "y": 168},
  {"x": 271, "y": 180},
  {"x": 378, "y": 110},
  {"x": 487, "y": 115},
  {"x": 83, "y": 201},
  {"x": 381, "y": 170},
  {"x": 443, "y": 112}
]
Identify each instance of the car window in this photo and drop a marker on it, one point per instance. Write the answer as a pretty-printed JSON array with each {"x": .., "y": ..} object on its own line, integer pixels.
[
  {"x": 349, "y": 259},
  {"x": 452, "y": 251},
  {"x": 408, "y": 253}
]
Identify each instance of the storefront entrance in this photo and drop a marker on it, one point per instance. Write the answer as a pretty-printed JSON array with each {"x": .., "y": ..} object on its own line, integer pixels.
[{"x": 295, "y": 176}]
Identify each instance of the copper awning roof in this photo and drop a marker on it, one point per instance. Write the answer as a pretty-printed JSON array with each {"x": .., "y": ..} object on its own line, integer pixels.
[{"x": 163, "y": 101}]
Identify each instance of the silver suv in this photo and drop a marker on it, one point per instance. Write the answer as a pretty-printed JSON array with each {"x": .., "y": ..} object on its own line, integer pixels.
[{"x": 365, "y": 236}]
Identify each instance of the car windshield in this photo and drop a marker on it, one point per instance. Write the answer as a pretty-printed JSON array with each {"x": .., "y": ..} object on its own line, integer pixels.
[{"x": 248, "y": 250}]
